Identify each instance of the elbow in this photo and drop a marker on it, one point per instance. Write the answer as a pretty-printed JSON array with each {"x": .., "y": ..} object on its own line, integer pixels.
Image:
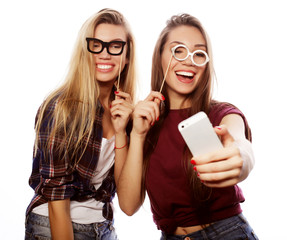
[
  {"x": 129, "y": 205},
  {"x": 128, "y": 212},
  {"x": 128, "y": 208}
]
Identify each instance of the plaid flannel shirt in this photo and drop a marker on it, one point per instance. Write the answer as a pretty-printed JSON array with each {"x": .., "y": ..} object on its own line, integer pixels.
[{"x": 53, "y": 178}]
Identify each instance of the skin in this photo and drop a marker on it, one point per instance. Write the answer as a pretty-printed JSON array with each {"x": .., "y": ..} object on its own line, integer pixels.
[
  {"x": 115, "y": 119},
  {"x": 177, "y": 87},
  {"x": 217, "y": 169},
  {"x": 108, "y": 33}
]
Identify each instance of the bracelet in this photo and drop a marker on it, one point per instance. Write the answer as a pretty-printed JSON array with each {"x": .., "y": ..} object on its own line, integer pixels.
[{"x": 122, "y": 146}]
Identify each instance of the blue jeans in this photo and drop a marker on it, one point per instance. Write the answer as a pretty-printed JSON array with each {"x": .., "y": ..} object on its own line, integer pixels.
[
  {"x": 234, "y": 228},
  {"x": 38, "y": 227}
]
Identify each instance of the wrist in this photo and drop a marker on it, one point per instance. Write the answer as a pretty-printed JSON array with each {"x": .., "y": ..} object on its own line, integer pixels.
[
  {"x": 136, "y": 135},
  {"x": 121, "y": 134},
  {"x": 121, "y": 141}
]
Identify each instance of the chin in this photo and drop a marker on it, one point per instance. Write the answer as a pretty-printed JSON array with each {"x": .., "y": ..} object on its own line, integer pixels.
[
  {"x": 185, "y": 90},
  {"x": 101, "y": 80}
]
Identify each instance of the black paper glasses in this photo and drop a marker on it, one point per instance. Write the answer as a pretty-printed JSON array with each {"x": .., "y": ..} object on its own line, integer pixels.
[{"x": 96, "y": 46}]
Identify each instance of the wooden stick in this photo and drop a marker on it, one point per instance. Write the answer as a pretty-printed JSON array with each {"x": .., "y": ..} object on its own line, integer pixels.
[
  {"x": 163, "y": 81},
  {"x": 119, "y": 76}
]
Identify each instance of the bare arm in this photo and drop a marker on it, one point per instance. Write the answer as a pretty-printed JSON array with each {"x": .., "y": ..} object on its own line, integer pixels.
[
  {"x": 60, "y": 220},
  {"x": 121, "y": 111},
  {"x": 130, "y": 181},
  {"x": 121, "y": 151},
  {"x": 129, "y": 187},
  {"x": 236, "y": 128}
]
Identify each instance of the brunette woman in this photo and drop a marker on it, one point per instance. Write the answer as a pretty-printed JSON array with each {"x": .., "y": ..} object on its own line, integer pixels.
[{"x": 192, "y": 197}]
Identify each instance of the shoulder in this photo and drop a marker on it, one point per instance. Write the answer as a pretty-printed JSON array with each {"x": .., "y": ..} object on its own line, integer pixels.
[
  {"x": 48, "y": 105},
  {"x": 46, "y": 110},
  {"x": 218, "y": 110}
]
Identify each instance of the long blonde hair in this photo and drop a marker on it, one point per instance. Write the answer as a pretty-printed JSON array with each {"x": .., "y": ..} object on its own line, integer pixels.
[{"x": 77, "y": 98}]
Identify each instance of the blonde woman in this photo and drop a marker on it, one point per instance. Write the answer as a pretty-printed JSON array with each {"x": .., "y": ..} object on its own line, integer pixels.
[
  {"x": 192, "y": 197},
  {"x": 81, "y": 136}
]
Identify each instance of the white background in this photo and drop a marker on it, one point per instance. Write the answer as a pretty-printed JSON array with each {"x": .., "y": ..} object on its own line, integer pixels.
[{"x": 249, "y": 44}]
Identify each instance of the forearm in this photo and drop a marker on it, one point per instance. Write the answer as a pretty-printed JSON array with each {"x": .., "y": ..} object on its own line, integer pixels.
[
  {"x": 121, "y": 151},
  {"x": 130, "y": 181},
  {"x": 247, "y": 155},
  {"x": 236, "y": 127},
  {"x": 60, "y": 220}
]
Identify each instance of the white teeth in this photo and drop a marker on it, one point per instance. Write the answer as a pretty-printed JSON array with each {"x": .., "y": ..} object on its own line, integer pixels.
[
  {"x": 186, "y": 74},
  {"x": 104, "y": 66}
]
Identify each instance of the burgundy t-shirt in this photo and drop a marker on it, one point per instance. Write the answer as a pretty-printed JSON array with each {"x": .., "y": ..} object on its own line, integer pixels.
[{"x": 166, "y": 180}]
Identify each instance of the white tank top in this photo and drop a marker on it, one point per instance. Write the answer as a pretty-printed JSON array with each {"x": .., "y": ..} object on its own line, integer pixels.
[{"x": 90, "y": 211}]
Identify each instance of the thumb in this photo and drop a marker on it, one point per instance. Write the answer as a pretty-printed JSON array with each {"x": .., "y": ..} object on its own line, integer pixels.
[{"x": 225, "y": 136}]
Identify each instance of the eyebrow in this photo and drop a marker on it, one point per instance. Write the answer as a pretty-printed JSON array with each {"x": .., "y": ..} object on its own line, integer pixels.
[
  {"x": 113, "y": 40},
  {"x": 118, "y": 39},
  {"x": 196, "y": 45}
]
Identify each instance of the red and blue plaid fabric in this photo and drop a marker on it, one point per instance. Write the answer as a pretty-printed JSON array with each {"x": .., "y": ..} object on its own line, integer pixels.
[{"x": 54, "y": 177}]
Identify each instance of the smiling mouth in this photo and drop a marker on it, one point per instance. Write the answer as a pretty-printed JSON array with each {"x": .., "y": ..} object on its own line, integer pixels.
[
  {"x": 185, "y": 76},
  {"x": 104, "y": 67}
]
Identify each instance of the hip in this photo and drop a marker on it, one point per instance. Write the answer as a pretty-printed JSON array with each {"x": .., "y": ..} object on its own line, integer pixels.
[
  {"x": 236, "y": 227},
  {"x": 38, "y": 227}
]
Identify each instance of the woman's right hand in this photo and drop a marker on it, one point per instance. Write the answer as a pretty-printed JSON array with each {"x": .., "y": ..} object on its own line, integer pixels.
[
  {"x": 146, "y": 113},
  {"x": 129, "y": 187}
]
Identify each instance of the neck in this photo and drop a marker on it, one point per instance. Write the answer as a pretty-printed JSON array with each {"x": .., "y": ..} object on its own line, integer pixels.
[
  {"x": 178, "y": 101},
  {"x": 105, "y": 93}
]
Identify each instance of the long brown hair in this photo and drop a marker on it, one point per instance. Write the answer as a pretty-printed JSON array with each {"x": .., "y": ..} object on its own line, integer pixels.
[
  {"x": 77, "y": 98},
  {"x": 200, "y": 98}
]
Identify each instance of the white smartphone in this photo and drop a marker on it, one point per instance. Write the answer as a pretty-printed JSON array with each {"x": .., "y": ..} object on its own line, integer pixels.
[{"x": 199, "y": 135}]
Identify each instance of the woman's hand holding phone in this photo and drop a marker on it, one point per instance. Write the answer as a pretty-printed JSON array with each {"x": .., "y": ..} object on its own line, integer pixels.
[{"x": 216, "y": 158}]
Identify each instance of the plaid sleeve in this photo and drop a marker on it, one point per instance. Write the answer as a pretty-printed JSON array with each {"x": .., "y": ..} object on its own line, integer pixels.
[{"x": 53, "y": 175}]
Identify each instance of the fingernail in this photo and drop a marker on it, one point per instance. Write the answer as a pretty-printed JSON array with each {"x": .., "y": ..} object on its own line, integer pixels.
[
  {"x": 202, "y": 181},
  {"x": 152, "y": 123},
  {"x": 116, "y": 92},
  {"x": 194, "y": 168},
  {"x": 162, "y": 97},
  {"x": 198, "y": 174},
  {"x": 157, "y": 118},
  {"x": 111, "y": 106},
  {"x": 193, "y": 162},
  {"x": 218, "y": 127}
]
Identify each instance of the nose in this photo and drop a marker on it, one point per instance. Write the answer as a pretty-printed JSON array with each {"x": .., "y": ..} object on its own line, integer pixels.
[
  {"x": 188, "y": 60},
  {"x": 104, "y": 54}
]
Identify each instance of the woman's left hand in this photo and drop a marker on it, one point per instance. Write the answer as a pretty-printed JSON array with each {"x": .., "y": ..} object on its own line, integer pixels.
[
  {"x": 221, "y": 168},
  {"x": 121, "y": 110}
]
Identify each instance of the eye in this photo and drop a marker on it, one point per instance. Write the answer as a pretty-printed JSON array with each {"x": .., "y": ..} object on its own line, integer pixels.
[
  {"x": 116, "y": 45},
  {"x": 96, "y": 45},
  {"x": 200, "y": 54},
  {"x": 178, "y": 51}
]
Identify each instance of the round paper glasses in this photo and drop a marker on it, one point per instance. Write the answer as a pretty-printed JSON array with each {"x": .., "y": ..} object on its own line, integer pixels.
[{"x": 199, "y": 57}]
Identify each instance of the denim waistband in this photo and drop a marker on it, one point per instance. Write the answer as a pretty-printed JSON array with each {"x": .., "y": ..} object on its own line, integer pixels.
[
  {"x": 236, "y": 223},
  {"x": 44, "y": 221}
]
